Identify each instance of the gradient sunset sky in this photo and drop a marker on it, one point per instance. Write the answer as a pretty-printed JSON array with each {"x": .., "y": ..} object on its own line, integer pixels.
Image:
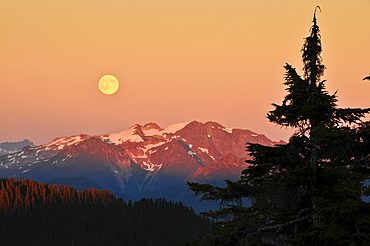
[{"x": 176, "y": 61}]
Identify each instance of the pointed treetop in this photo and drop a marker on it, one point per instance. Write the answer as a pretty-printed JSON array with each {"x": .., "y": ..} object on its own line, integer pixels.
[
  {"x": 314, "y": 15},
  {"x": 311, "y": 50}
]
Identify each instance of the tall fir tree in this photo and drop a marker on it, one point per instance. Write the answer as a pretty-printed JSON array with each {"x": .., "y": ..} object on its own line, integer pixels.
[{"x": 308, "y": 191}]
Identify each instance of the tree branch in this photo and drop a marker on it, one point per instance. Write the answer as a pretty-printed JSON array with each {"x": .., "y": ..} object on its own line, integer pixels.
[{"x": 279, "y": 227}]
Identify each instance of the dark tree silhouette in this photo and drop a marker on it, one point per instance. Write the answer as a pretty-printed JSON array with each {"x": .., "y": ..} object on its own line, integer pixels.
[
  {"x": 32, "y": 213},
  {"x": 308, "y": 191}
]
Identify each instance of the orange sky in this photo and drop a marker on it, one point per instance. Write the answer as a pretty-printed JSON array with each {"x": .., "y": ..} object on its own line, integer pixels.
[{"x": 176, "y": 61}]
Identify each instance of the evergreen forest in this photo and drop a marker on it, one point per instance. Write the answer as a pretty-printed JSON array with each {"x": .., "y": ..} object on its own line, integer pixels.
[
  {"x": 310, "y": 191},
  {"x": 32, "y": 213}
]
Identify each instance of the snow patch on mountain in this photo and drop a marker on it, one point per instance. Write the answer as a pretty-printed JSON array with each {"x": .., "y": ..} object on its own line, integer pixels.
[
  {"x": 139, "y": 156},
  {"x": 149, "y": 166},
  {"x": 134, "y": 133},
  {"x": 229, "y": 130},
  {"x": 204, "y": 150},
  {"x": 60, "y": 143},
  {"x": 153, "y": 132},
  {"x": 151, "y": 146},
  {"x": 175, "y": 127},
  {"x": 128, "y": 135}
]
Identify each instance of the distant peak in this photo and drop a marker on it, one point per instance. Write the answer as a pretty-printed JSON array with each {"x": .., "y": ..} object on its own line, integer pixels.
[
  {"x": 27, "y": 141},
  {"x": 136, "y": 126},
  {"x": 151, "y": 125},
  {"x": 214, "y": 124},
  {"x": 195, "y": 122},
  {"x": 136, "y": 129}
]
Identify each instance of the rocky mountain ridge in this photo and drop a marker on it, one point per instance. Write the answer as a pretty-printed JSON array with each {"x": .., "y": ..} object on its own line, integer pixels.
[
  {"x": 141, "y": 159},
  {"x": 11, "y": 147}
]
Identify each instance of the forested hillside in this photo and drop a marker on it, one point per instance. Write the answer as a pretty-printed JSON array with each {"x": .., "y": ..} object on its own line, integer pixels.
[{"x": 33, "y": 213}]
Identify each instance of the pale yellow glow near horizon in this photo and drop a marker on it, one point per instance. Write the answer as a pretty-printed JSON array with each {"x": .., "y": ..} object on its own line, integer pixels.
[
  {"x": 209, "y": 60},
  {"x": 108, "y": 84}
]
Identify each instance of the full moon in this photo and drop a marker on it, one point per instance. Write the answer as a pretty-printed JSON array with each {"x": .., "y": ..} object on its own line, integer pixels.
[{"x": 108, "y": 84}]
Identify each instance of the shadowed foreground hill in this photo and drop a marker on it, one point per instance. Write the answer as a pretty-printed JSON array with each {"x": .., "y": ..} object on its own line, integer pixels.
[{"x": 32, "y": 213}]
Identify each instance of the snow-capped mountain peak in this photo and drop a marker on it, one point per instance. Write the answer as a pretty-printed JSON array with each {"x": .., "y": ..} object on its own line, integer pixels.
[
  {"x": 141, "y": 158},
  {"x": 137, "y": 133}
]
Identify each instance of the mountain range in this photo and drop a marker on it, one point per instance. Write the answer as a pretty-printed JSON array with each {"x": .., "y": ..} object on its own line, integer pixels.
[
  {"x": 142, "y": 161},
  {"x": 10, "y": 147}
]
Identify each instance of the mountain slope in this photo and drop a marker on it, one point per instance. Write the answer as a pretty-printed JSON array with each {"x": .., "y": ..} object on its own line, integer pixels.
[{"x": 141, "y": 159}]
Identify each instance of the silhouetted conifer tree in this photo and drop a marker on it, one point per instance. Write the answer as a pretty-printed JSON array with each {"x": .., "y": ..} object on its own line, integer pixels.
[{"x": 306, "y": 192}]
